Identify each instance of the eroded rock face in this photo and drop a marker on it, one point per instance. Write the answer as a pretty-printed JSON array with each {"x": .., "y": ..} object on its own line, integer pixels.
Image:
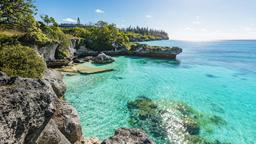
[
  {"x": 155, "y": 51},
  {"x": 103, "y": 59},
  {"x": 31, "y": 112},
  {"x": 52, "y": 135},
  {"x": 67, "y": 120},
  {"x": 25, "y": 108},
  {"x": 128, "y": 136},
  {"x": 55, "y": 78}
]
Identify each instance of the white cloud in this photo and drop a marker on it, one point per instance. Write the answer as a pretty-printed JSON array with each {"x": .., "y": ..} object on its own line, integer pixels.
[
  {"x": 70, "y": 20},
  {"x": 99, "y": 11},
  {"x": 148, "y": 16}
]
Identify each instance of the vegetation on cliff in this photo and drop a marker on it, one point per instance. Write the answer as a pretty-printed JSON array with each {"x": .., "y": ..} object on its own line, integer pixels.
[
  {"x": 100, "y": 36},
  {"x": 18, "y": 60},
  {"x": 137, "y": 34}
]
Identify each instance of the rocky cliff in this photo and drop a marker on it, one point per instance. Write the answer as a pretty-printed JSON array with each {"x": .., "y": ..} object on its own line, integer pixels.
[{"x": 31, "y": 112}]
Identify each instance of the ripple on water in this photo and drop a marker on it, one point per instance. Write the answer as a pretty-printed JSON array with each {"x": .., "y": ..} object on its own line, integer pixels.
[{"x": 101, "y": 99}]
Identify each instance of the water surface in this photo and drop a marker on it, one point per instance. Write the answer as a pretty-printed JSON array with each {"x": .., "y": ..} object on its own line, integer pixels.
[{"x": 215, "y": 78}]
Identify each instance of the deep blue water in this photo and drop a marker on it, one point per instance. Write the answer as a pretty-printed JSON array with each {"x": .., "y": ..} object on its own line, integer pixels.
[{"x": 215, "y": 78}]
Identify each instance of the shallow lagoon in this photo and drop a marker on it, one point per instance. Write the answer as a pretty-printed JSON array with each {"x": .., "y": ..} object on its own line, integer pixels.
[{"x": 214, "y": 78}]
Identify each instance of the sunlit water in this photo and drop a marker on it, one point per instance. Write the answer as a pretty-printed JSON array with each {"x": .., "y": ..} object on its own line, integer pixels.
[{"x": 216, "y": 78}]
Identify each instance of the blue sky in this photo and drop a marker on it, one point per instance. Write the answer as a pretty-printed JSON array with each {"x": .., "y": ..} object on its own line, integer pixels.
[{"x": 182, "y": 19}]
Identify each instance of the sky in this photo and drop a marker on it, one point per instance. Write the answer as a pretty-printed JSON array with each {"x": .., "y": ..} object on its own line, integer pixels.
[{"x": 196, "y": 20}]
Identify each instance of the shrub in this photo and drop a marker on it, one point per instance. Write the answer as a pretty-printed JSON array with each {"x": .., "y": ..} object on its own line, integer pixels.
[{"x": 18, "y": 60}]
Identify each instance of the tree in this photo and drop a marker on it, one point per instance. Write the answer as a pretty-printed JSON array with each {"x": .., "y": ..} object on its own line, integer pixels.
[
  {"x": 17, "y": 13},
  {"x": 107, "y": 37},
  {"x": 49, "y": 20}
]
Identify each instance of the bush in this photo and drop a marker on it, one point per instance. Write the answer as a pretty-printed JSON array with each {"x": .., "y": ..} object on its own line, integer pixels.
[{"x": 18, "y": 60}]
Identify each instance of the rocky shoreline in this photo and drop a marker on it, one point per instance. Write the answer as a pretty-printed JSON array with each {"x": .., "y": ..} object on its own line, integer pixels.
[
  {"x": 33, "y": 111},
  {"x": 79, "y": 51}
]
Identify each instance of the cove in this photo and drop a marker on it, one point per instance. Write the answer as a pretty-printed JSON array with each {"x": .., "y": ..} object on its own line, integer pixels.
[{"x": 214, "y": 78}]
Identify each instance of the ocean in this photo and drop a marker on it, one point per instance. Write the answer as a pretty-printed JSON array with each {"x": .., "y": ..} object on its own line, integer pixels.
[{"x": 217, "y": 79}]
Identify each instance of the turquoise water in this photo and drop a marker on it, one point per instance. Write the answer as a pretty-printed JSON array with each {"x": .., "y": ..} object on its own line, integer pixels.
[{"x": 215, "y": 78}]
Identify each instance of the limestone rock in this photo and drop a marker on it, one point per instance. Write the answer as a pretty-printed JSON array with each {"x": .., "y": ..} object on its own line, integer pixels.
[
  {"x": 67, "y": 120},
  {"x": 128, "y": 136},
  {"x": 93, "y": 140},
  {"x": 25, "y": 108},
  {"x": 103, "y": 59},
  {"x": 52, "y": 135},
  {"x": 155, "y": 51},
  {"x": 31, "y": 112},
  {"x": 55, "y": 79}
]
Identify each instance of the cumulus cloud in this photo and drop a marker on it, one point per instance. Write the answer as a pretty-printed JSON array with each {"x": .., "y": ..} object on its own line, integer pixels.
[
  {"x": 69, "y": 20},
  {"x": 99, "y": 11},
  {"x": 148, "y": 16}
]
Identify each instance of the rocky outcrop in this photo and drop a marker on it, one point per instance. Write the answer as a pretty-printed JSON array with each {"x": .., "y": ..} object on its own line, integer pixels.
[
  {"x": 141, "y": 50},
  {"x": 52, "y": 135},
  {"x": 50, "y": 52},
  {"x": 31, "y": 112},
  {"x": 55, "y": 78},
  {"x": 154, "y": 51},
  {"x": 102, "y": 58},
  {"x": 67, "y": 120},
  {"x": 128, "y": 136},
  {"x": 25, "y": 109}
]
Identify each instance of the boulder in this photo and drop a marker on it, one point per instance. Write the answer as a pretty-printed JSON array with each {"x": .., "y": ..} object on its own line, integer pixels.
[
  {"x": 128, "y": 136},
  {"x": 55, "y": 78},
  {"x": 67, "y": 120},
  {"x": 52, "y": 135},
  {"x": 102, "y": 58},
  {"x": 25, "y": 108},
  {"x": 92, "y": 140}
]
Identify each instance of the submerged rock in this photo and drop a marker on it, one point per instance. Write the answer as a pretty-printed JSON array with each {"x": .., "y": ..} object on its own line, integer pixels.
[
  {"x": 128, "y": 136},
  {"x": 145, "y": 114},
  {"x": 102, "y": 58},
  {"x": 170, "y": 122}
]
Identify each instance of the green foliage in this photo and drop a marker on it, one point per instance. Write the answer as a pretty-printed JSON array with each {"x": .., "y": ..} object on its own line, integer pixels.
[
  {"x": 101, "y": 36},
  {"x": 78, "y": 32},
  {"x": 107, "y": 37},
  {"x": 137, "y": 34},
  {"x": 17, "y": 60},
  {"x": 17, "y": 13},
  {"x": 49, "y": 20},
  {"x": 35, "y": 36},
  {"x": 9, "y": 37}
]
